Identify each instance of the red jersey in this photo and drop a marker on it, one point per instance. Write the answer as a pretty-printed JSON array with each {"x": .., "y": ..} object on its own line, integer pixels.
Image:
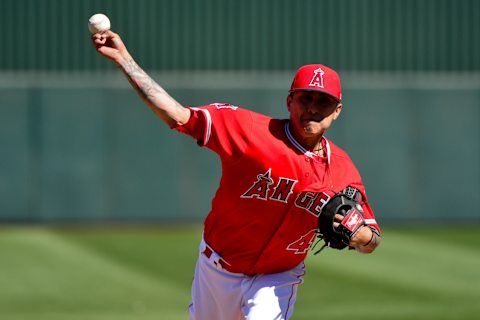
[{"x": 264, "y": 213}]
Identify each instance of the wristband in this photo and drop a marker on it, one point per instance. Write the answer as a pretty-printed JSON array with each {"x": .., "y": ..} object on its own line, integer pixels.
[{"x": 369, "y": 241}]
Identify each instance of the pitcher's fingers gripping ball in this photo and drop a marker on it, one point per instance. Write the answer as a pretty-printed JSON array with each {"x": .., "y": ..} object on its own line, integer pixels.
[
  {"x": 98, "y": 23},
  {"x": 105, "y": 41}
]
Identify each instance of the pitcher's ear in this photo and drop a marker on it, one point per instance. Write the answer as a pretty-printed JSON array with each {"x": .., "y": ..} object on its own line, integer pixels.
[
  {"x": 289, "y": 101},
  {"x": 337, "y": 111}
]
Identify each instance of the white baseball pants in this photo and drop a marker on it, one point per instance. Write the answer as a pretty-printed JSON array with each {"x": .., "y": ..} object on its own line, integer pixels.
[{"x": 218, "y": 294}]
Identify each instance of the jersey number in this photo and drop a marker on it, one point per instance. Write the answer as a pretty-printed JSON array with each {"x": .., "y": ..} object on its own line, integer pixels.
[{"x": 302, "y": 245}]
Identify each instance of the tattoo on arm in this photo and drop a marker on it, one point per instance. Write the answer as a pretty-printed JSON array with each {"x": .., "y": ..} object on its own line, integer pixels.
[{"x": 145, "y": 86}]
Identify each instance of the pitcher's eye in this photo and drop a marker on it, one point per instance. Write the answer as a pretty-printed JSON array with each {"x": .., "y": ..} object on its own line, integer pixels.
[{"x": 306, "y": 99}]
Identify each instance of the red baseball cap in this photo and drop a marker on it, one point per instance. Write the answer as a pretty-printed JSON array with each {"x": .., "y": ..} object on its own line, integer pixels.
[{"x": 317, "y": 77}]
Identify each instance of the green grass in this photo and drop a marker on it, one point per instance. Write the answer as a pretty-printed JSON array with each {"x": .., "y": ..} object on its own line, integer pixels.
[{"x": 145, "y": 273}]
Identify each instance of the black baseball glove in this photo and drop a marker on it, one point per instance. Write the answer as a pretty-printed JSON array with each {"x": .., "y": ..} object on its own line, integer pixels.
[{"x": 339, "y": 237}]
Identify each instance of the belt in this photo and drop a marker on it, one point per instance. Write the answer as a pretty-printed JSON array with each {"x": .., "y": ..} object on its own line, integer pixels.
[{"x": 208, "y": 253}]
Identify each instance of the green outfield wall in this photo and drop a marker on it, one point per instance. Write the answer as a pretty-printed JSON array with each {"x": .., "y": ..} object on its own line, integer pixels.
[
  {"x": 77, "y": 144},
  {"x": 382, "y": 35},
  {"x": 97, "y": 153}
]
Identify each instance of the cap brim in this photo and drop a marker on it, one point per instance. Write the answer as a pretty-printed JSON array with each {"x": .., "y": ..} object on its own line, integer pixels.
[{"x": 318, "y": 90}]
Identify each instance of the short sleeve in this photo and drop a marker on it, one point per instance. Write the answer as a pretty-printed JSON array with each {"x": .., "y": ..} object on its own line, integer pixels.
[{"x": 223, "y": 128}]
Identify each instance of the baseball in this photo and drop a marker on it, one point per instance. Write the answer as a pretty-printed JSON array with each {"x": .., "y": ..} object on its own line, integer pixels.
[{"x": 98, "y": 23}]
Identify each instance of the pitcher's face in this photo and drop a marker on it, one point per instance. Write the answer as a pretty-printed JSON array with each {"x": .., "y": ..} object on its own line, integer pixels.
[{"x": 312, "y": 112}]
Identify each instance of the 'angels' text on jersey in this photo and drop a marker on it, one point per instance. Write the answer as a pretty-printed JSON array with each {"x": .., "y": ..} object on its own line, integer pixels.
[
  {"x": 261, "y": 188},
  {"x": 312, "y": 202}
]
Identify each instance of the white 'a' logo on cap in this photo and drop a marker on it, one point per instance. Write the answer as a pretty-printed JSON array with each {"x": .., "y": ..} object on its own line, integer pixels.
[{"x": 317, "y": 79}]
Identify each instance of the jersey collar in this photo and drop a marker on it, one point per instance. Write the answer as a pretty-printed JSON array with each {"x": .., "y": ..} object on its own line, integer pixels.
[{"x": 306, "y": 152}]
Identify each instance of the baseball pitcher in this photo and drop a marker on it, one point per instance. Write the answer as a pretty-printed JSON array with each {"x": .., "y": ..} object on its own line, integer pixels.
[{"x": 283, "y": 185}]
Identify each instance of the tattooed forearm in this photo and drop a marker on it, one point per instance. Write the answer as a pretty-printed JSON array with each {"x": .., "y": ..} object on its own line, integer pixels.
[
  {"x": 141, "y": 81},
  {"x": 153, "y": 94}
]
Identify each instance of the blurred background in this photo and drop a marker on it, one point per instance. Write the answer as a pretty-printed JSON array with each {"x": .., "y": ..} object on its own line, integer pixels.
[
  {"x": 78, "y": 144},
  {"x": 78, "y": 147}
]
